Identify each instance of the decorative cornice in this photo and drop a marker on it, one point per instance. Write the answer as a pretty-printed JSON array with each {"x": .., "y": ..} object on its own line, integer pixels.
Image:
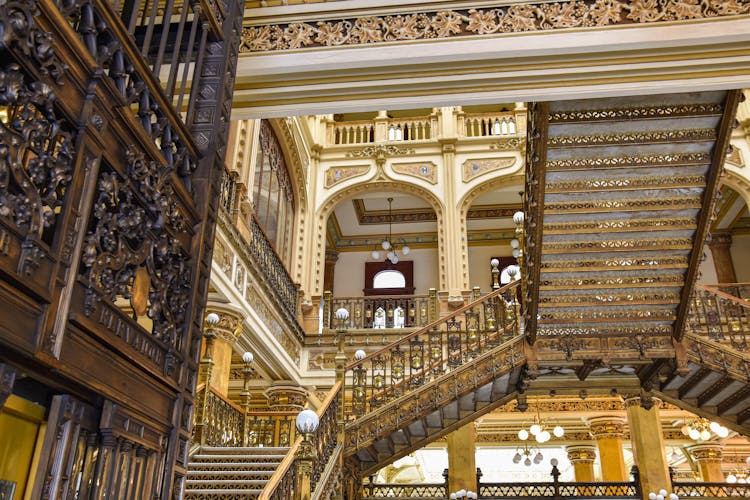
[
  {"x": 607, "y": 427},
  {"x": 581, "y": 453},
  {"x": 707, "y": 453},
  {"x": 516, "y": 18}
]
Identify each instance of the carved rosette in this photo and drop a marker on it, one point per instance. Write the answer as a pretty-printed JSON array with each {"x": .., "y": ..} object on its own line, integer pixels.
[
  {"x": 284, "y": 395},
  {"x": 229, "y": 326},
  {"x": 581, "y": 453},
  {"x": 607, "y": 427},
  {"x": 706, "y": 452}
]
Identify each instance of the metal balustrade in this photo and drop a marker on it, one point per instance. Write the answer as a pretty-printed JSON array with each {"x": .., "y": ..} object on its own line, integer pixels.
[
  {"x": 711, "y": 490},
  {"x": 720, "y": 316},
  {"x": 382, "y": 311},
  {"x": 432, "y": 351}
]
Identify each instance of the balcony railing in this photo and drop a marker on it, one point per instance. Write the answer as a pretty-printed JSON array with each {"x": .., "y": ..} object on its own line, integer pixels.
[
  {"x": 490, "y": 124},
  {"x": 711, "y": 490},
  {"x": 719, "y": 315},
  {"x": 271, "y": 429},
  {"x": 382, "y": 311},
  {"x": 418, "y": 128}
]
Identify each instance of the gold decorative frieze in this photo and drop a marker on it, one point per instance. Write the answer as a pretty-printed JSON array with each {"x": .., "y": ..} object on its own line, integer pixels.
[
  {"x": 678, "y": 202},
  {"x": 718, "y": 357},
  {"x": 607, "y": 427},
  {"x": 618, "y": 225},
  {"x": 475, "y": 168},
  {"x": 380, "y": 151},
  {"x": 626, "y": 315},
  {"x": 619, "y": 281},
  {"x": 581, "y": 454},
  {"x": 335, "y": 175},
  {"x": 625, "y": 183},
  {"x": 617, "y": 245},
  {"x": 607, "y": 263},
  {"x": 609, "y": 298},
  {"x": 515, "y": 18},
  {"x": 637, "y": 113},
  {"x": 426, "y": 170},
  {"x": 604, "y": 331},
  {"x": 508, "y": 144},
  {"x": 647, "y": 137},
  {"x": 653, "y": 160}
]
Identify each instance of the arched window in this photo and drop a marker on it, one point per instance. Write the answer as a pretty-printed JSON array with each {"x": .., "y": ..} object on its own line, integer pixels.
[
  {"x": 390, "y": 278},
  {"x": 273, "y": 198}
]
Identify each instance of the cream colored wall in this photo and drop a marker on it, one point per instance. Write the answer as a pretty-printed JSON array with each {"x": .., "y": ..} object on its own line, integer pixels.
[
  {"x": 479, "y": 264},
  {"x": 707, "y": 270},
  {"x": 349, "y": 277},
  {"x": 740, "y": 251}
]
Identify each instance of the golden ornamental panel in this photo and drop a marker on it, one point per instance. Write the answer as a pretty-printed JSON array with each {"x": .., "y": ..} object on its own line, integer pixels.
[
  {"x": 474, "y": 168},
  {"x": 609, "y": 298},
  {"x": 597, "y": 315},
  {"x": 632, "y": 204},
  {"x": 552, "y": 247},
  {"x": 556, "y": 331},
  {"x": 613, "y": 263},
  {"x": 624, "y": 138},
  {"x": 452, "y": 23},
  {"x": 618, "y": 225},
  {"x": 425, "y": 170},
  {"x": 620, "y": 281},
  {"x": 637, "y": 112},
  {"x": 626, "y": 183},
  {"x": 652, "y": 160},
  {"x": 335, "y": 175},
  {"x": 718, "y": 357}
]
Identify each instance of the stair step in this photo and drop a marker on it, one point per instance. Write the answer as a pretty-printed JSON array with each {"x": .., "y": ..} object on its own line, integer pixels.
[
  {"x": 220, "y": 484},
  {"x": 218, "y": 466},
  {"x": 221, "y": 494},
  {"x": 248, "y": 450},
  {"x": 261, "y": 475},
  {"x": 237, "y": 458}
]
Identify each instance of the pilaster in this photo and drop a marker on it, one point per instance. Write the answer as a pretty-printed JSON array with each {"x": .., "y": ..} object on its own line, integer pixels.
[
  {"x": 608, "y": 432},
  {"x": 462, "y": 468},
  {"x": 647, "y": 440},
  {"x": 582, "y": 457},
  {"x": 720, "y": 244},
  {"x": 707, "y": 457}
]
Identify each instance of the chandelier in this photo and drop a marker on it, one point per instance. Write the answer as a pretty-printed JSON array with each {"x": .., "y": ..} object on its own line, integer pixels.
[
  {"x": 739, "y": 475},
  {"x": 539, "y": 430},
  {"x": 525, "y": 452},
  {"x": 388, "y": 245},
  {"x": 701, "y": 429}
]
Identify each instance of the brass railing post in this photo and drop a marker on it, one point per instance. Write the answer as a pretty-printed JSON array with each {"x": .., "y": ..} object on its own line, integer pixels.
[
  {"x": 433, "y": 306},
  {"x": 304, "y": 458},
  {"x": 204, "y": 376},
  {"x": 246, "y": 397}
]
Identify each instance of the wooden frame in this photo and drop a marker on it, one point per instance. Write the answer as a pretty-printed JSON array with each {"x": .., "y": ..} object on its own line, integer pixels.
[{"x": 405, "y": 267}]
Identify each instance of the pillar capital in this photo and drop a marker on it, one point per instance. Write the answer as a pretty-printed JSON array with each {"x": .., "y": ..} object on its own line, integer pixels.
[
  {"x": 706, "y": 452},
  {"x": 644, "y": 401},
  {"x": 607, "y": 427},
  {"x": 229, "y": 326},
  {"x": 581, "y": 453}
]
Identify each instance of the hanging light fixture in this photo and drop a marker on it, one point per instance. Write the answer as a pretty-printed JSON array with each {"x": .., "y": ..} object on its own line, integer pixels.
[
  {"x": 539, "y": 430},
  {"x": 529, "y": 455},
  {"x": 387, "y": 244},
  {"x": 701, "y": 429}
]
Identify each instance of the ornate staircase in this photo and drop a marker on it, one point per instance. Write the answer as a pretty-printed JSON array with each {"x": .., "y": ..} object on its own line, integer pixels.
[{"x": 228, "y": 473}]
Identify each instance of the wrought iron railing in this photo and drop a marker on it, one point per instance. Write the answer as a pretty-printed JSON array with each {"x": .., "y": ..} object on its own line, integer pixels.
[
  {"x": 271, "y": 429},
  {"x": 381, "y": 311},
  {"x": 376, "y": 490},
  {"x": 738, "y": 290},
  {"x": 719, "y": 316},
  {"x": 558, "y": 490},
  {"x": 312, "y": 456},
  {"x": 218, "y": 421},
  {"x": 711, "y": 490},
  {"x": 432, "y": 351}
]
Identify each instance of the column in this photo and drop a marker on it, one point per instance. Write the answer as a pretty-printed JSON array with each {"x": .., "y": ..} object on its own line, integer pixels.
[
  {"x": 462, "y": 467},
  {"x": 226, "y": 332},
  {"x": 582, "y": 457},
  {"x": 707, "y": 457},
  {"x": 647, "y": 440},
  {"x": 608, "y": 432},
  {"x": 332, "y": 256},
  {"x": 719, "y": 245}
]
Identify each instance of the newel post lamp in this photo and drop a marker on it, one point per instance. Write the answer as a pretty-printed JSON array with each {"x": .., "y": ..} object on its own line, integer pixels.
[
  {"x": 245, "y": 396},
  {"x": 307, "y": 423},
  {"x": 207, "y": 361}
]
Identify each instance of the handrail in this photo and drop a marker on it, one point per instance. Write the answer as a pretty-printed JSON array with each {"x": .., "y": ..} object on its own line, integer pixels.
[
  {"x": 729, "y": 296},
  {"x": 432, "y": 325},
  {"x": 719, "y": 316},
  {"x": 287, "y": 464},
  {"x": 441, "y": 347}
]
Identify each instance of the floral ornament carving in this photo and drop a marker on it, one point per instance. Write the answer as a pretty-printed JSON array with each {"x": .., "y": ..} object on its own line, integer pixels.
[
  {"x": 35, "y": 154},
  {"x": 530, "y": 16},
  {"x": 334, "y": 175},
  {"x": 135, "y": 227}
]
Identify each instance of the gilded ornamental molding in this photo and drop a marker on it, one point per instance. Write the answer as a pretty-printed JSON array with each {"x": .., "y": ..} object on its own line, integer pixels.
[{"x": 515, "y": 18}]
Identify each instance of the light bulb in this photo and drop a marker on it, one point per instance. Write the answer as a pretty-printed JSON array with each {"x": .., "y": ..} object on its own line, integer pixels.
[
  {"x": 553, "y": 462},
  {"x": 694, "y": 434},
  {"x": 514, "y": 243},
  {"x": 538, "y": 458},
  {"x": 518, "y": 218},
  {"x": 747, "y": 460},
  {"x": 659, "y": 497},
  {"x": 390, "y": 255},
  {"x": 523, "y": 434},
  {"x": 652, "y": 496},
  {"x": 742, "y": 480},
  {"x": 673, "y": 496},
  {"x": 516, "y": 458},
  {"x": 731, "y": 478},
  {"x": 405, "y": 250},
  {"x": 516, "y": 252},
  {"x": 558, "y": 431},
  {"x": 527, "y": 462},
  {"x": 394, "y": 260},
  {"x": 386, "y": 244},
  {"x": 376, "y": 255},
  {"x": 685, "y": 429},
  {"x": 545, "y": 436},
  {"x": 714, "y": 426},
  {"x": 705, "y": 434},
  {"x": 723, "y": 432},
  {"x": 535, "y": 429},
  {"x": 663, "y": 492}
]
